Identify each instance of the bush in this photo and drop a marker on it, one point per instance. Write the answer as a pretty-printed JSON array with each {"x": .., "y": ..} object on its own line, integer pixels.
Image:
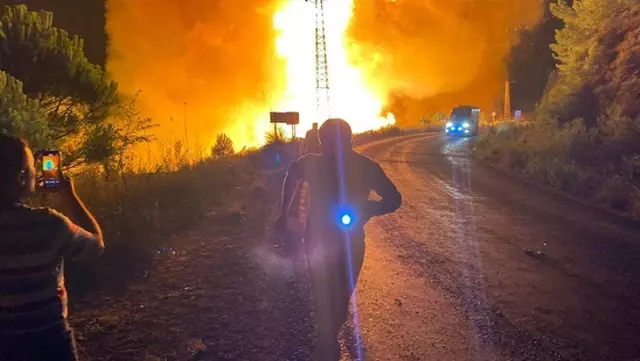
[
  {"x": 223, "y": 147},
  {"x": 276, "y": 136},
  {"x": 616, "y": 193},
  {"x": 570, "y": 158},
  {"x": 384, "y": 132},
  {"x": 138, "y": 212}
]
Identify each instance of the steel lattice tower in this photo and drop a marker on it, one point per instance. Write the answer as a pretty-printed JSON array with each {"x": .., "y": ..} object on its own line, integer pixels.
[{"x": 322, "y": 65}]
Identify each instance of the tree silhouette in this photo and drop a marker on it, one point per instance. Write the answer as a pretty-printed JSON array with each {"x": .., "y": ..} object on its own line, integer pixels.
[
  {"x": 21, "y": 116},
  {"x": 223, "y": 146},
  {"x": 76, "y": 95}
]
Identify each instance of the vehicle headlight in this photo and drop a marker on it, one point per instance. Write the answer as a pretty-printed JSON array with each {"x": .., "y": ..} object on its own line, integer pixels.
[
  {"x": 465, "y": 125},
  {"x": 449, "y": 124}
]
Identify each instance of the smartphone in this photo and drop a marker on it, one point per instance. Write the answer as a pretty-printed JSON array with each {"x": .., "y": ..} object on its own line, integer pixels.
[{"x": 51, "y": 172}]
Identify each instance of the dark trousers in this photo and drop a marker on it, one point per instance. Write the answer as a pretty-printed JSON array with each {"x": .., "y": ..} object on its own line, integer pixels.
[
  {"x": 333, "y": 276},
  {"x": 56, "y": 343}
]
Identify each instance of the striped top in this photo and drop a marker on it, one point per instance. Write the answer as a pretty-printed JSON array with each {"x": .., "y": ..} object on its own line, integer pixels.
[{"x": 33, "y": 243}]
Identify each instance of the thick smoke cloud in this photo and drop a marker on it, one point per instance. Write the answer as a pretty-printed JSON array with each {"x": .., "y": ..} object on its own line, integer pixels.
[
  {"x": 217, "y": 56},
  {"x": 433, "y": 54}
]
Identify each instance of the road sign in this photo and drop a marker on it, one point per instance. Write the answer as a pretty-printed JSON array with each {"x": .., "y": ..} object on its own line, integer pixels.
[{"x": 291, "y": 118}]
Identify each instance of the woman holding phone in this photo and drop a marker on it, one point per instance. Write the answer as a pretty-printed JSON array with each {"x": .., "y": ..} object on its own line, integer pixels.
[{"x": 33, "y": 245}]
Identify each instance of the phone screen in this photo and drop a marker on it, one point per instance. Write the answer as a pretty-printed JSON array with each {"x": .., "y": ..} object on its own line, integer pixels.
[{"x": 51, "y": 169}]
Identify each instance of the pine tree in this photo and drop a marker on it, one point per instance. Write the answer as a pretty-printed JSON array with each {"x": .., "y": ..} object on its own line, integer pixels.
[
  {"x": 573, "y": 94},
  {"x": 21, "y": 116},
  {"x": 76, "y": 95},
  {"x": 531, "y": 62}
]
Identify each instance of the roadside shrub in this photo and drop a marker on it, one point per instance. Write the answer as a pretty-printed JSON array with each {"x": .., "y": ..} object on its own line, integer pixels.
[
  {"x": 223, "y": 146},
  {"x": 567, "y": 158},
  {"x": 276, "y": 136},
  {"x": 139, "y": 212},
  {"x": 384, "y": 132},
  {"x": 569, "y": 178},
  {"x": 515, "y": 158},
  {"x": 616, "y": 193}
]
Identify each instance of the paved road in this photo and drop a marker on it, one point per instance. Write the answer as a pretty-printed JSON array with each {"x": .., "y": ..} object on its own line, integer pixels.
[{"x": 478, "y": 266}]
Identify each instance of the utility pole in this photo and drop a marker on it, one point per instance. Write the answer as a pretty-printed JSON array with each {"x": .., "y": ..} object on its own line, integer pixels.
[
  {"x": 507, "y": 100},
  {"x": 186, "y": 137}
]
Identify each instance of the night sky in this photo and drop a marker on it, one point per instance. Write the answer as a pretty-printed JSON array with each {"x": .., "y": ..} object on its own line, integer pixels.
[{"x": 85, "y": 18}]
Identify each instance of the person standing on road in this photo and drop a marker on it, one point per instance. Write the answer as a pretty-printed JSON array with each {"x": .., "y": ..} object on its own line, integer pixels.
[
  {"x": 340, "y": 181},
  {"x": 33, "y": 244},
  {"x": 312, "y": 140}
]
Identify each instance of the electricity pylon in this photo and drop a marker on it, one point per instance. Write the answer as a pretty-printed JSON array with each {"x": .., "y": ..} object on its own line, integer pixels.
[{"x": 322, "y": 66}]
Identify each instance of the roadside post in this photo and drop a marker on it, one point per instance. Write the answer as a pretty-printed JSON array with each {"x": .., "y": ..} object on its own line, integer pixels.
[
  {"x": 296, "y": 212},
  {"x": 289, "y": 118}
]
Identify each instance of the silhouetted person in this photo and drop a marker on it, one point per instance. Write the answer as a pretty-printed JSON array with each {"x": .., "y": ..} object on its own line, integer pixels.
[
  {"x": 312, "y": 140},
  {"x": 33, "y": 244},
  {"x": 340, "y": 181}
]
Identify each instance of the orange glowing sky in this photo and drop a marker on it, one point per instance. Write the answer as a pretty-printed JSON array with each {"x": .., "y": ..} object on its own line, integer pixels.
[{"x": 234, "y": 61}]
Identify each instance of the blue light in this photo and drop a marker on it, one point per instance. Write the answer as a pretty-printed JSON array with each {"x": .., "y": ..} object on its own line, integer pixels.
[{"x": 346, "y": 220}]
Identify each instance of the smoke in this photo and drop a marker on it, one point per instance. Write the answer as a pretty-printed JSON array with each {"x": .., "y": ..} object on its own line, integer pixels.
[
  {"x": 273, "y": 264},
  {"x": 433, "y": 53},
  {"x": 218, "y": 57}
]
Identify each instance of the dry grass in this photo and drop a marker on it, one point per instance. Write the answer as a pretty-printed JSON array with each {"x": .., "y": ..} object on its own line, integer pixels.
[
  {"x": 205, "y": 294},
  {"x": 386, "y": 132},
  {"x": 139, "y": 212},
  {"x": 584, "y": 163}
]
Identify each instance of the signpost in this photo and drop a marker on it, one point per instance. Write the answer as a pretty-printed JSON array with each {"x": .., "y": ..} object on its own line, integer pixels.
[
  {"x": 289, "y": 118},
  {"x": 292, "y": 119}
]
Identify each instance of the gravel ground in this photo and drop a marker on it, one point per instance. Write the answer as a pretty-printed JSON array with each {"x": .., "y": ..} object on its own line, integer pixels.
[{"x": 486, "y": 268}]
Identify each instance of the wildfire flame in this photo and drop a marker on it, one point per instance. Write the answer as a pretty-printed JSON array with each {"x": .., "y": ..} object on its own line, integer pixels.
[
  {"x": 350, "y": 98},
  {"x": 221, "y": 66}
]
